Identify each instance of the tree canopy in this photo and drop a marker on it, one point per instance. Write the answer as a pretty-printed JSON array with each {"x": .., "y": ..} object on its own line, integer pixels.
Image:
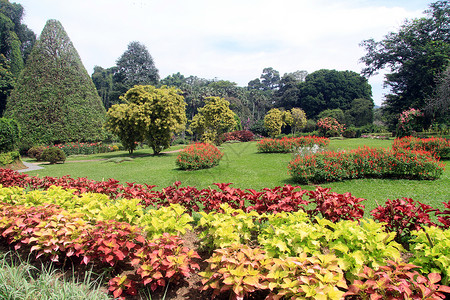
[
  {"x": 54, "y": 99},
  {"x": 414, "y": 55},
  {"x": 148, "y": 113}
]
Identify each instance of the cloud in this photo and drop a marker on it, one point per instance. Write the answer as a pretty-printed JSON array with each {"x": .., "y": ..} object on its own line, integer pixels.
[{"x": 231, "y": 40}]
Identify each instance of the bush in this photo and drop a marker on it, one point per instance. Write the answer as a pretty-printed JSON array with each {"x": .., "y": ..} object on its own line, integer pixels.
[
  {"x": 9, "y": 135},
  {"x": 349, "y": 132},
  {"x": 53, "y": 155},
  {"x": 329, "y": 127},
  {"x": 363, "y": 163},
  {"x": 9, "y": 158},
  {"x": 439, "y": 147},
  {"x": 286, "y": 144},
  {"x": 36, "y": 152},
  {"x": 198, "y": 156},
  {"x": 241, "y": 136}
]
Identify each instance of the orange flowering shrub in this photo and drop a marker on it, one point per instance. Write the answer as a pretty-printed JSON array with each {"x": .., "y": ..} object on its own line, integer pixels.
[{"x": 199, "y": 156}]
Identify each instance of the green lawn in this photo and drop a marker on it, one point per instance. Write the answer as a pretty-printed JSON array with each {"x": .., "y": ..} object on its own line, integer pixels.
[{"x": 243, "y": 166}]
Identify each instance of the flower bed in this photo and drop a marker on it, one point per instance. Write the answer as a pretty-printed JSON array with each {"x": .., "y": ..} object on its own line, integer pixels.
[
  {"x": 286, "y": 145},
  {"x": 365, "y": 162},
  {"x": 241, "y": 136},
  {"x": 199, "y": 156},
  {"x": 439, "y": 147}
]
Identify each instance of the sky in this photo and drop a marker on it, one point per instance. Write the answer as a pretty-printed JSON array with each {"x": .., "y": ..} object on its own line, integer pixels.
[{"x": 228, "y": 40}]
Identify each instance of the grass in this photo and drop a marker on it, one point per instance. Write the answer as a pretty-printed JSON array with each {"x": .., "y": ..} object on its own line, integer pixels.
[
  {"x": 243, "y": 166},
  {"x": 22, "y": 280}
]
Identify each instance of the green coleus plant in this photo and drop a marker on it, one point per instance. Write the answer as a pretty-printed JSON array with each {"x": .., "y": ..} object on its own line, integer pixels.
[
  {"x": 228, "y": 227},
  {"x": 431, "y": 251}
]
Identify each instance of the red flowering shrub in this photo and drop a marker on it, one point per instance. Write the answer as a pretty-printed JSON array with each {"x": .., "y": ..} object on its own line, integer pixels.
[
  {"x": 285, "y": 144},
  {"x": 408, "y": 122},
  {"x": 329, "y": 126},
  {"x": 365, "y": 162},
  {"x": 439, "y": 147},
  {"x": 199, "y": 156},
  {"x": 241, "y": 136}
]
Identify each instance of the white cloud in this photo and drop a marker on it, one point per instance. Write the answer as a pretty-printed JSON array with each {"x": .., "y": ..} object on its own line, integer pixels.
[{"x": 232, "y": 40}]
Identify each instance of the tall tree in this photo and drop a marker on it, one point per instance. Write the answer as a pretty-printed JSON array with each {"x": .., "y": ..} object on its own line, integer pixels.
[
  {"x": 134, "y": 67},
  {"x": 331, "y": 89},
  {"x": 270, "y": 79},
  {"x": 103, "y": 81},
  {"x": 438, "y": 106},
  {"x": 16, "y": 41},
  {"x": 55, "y": 99},
  {"x": 414, "y": 55}
]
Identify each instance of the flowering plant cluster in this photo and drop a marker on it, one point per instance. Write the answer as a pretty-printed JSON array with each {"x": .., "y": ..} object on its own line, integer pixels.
[
  {"x": 241, "y": 136},
  {"x": 439, "y": 147},
  {"x": 407, "y": 122},
  {"x": 365, "y": 162},
  {"x": 76, "y": 148},
  {"x": 285, "y": 145},
  {"x": 199, "y": 156},
  {"x": 329, "y": 126}
]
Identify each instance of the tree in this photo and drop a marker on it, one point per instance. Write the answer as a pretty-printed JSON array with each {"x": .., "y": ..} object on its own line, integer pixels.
[
  {"x": 213, "y": 119},
  {"x": 360, "y": 113},
  {"x": 437, "y": 106},
  {"x": 331, "y": 89},
  {"x": 134, "y": 67},
  {"x": 298, "y": 119},
  {"x": 275, "y": 120},
  {"x": 16, "y": 41},
  {"x": 414, "y": 56},
  {"x": 55, "y": 99},
  {"x": 270, "y": 79},
  {"x": 148, "y": 113},
  {"x": 103, "y": 81},
  {"x": 337, "y": 114},
  {"x": 9, "y": 135}
]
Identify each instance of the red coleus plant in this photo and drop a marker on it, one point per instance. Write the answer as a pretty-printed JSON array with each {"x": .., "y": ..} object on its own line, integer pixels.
[{"x": 397, "y": 281}]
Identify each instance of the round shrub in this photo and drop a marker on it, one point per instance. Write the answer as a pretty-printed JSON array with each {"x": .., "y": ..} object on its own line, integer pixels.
[
  {"x": 36, "y": 152},
  {"x": 53, "y": 155},
  {"x": 199, "y": 156}
]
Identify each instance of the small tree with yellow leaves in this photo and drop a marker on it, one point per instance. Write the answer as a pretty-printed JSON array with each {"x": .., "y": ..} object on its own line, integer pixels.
[
  {"x": 213, "y": 119},
  {"x": 150, "y": 114},
  {"x": 275, "y": 120}
]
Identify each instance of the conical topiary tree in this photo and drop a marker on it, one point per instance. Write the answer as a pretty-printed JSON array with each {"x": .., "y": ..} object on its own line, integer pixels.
[{"x": 55, "y": 99}]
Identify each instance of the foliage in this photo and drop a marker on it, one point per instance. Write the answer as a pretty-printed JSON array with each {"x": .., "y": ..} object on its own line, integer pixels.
[
  {"x": 431, "y": 251},
  {"x": 36, "y": 152},
  {"x": 360, "y": 112},
  {"x": 365, "y": 162},
  {"x": 241, "y": 136},
  {"x": 408, "y": 122},
  {"x": 150, "y": 113},
  {"x": 439, "y": 147},
  {"x": 423, "y": 45},
  {"x": 286, "y": 144},
  {"x": 329, "y": 127},
  {"x": 213, "y": 119},
  {"x": 275, "y": 120},
  {"x": 437, "y": 106},
  {"x": 227, "y": 227},
  {"x": 403, "y": 216},
  {"x": 396, "y": 281},
  {"x": 444, "y": 216},
  {"x": 9, "y": 135},
  {"x": 7, "y": 158},
  {"x": 55, "y": 99},
  {"x": 302, "y": 277},
  {"x": 53, "y": 155},
  {"x": 298, "y": 119},
  {"x": 237, "y": 269},
  {"x": 80, "y": 148},
  {"x": 198, "y": 156},
  {"x": 7, "y": 81}
]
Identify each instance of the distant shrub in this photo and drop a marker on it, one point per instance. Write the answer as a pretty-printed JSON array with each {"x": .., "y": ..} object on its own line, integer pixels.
[
  {"x": 287, "y": 144},
  {"x": 53, "y": 155},
  {"x": 9, "y": 157},
  {"x": 199, "y": 156},
  {"x": 36, "y": 152},
  {"x": 9, "y": 135},
  {"x": 350, "y": 132},
  {"x": 241, "y": 136}
]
